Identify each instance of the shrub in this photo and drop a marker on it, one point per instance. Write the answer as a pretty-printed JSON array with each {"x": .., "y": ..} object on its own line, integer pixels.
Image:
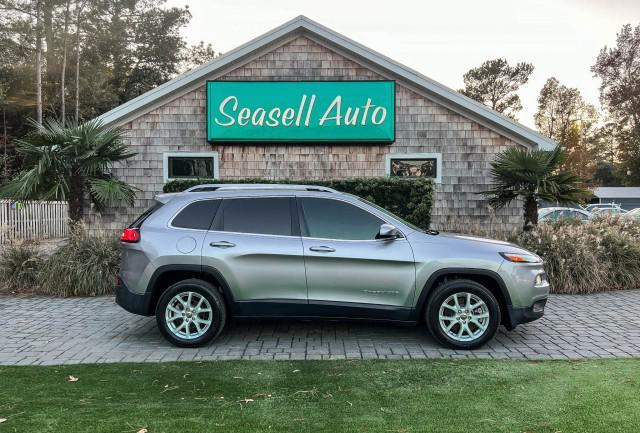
[
  {"x": 601, "y": 255},
  {"x": 84, "y": 266},
  {"x": 19, "y": 265},
  {"x": 410, "y": 199}
]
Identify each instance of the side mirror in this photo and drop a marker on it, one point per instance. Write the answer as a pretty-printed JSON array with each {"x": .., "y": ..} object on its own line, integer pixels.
[{"x": 387, "y": 231}]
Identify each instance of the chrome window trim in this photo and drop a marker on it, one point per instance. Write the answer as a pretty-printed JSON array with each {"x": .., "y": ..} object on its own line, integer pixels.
[
  {"x": 403, "y": 238},
  {"x": 255, "y": 234}
]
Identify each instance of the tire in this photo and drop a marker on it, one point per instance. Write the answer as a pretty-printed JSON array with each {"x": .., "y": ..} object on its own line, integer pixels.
[
  {"x": 185, "y": 326},
  {"x": 477, "y": 328}
]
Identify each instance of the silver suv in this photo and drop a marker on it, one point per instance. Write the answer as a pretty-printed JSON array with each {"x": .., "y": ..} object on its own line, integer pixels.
[{"x": 199, "y": 257}]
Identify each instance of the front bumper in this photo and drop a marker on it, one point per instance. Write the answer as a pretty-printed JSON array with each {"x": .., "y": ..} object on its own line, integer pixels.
[
  {"x": 133, "y": 302},
  {"x": 518, "y": 316}
]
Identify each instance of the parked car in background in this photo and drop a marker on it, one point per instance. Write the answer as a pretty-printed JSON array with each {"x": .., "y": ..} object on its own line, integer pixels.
[
  {"x": 199, "y": 257},
  {"x": 633, "y": 213},
  {"x": 595, "y": 206},
  {"x": 611, "y": 210},
  {"x": 563, "y": 213}
]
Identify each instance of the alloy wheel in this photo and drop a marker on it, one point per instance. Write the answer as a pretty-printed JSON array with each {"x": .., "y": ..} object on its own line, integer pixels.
[
  {"x": 464, "y": 316},
  {"x": 188, "y": 315}
]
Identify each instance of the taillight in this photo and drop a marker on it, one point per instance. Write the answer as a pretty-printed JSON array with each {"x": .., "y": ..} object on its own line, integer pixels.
[{"x": 130, "y": 235}]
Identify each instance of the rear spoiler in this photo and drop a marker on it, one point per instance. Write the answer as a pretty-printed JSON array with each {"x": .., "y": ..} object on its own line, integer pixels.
[{"x": 165, "y": 197}]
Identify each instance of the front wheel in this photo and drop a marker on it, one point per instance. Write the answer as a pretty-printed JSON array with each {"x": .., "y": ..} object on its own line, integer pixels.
[
  {"x": 462, "y": 314},
  {"x": 191, "y": 313}
]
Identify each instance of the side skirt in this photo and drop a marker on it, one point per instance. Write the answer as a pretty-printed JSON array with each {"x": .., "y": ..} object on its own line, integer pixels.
[{"x": 301, "y": 309}]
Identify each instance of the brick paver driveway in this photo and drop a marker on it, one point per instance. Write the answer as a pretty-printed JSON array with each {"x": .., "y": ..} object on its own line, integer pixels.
[{"x": 37, "y": 330}]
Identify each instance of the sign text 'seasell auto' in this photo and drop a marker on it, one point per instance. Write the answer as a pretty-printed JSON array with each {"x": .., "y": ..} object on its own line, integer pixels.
[{"x": 301, "y": 111}]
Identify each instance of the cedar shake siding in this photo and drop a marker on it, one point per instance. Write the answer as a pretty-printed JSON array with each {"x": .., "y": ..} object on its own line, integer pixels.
[{"x": 422, "y": 126}]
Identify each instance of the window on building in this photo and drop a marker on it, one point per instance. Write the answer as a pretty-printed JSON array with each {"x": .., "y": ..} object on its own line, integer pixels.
[
  {"x": 268, "y": 216},
  {"x": 335, "y": 219},
  {"x": 190, "y": 165},
  {"x": 412, "y": 165},
  {"x": 197, "y": 215}
]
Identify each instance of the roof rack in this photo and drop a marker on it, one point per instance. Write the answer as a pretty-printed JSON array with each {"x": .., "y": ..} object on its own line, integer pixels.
[{"x": 256, "y": 186}]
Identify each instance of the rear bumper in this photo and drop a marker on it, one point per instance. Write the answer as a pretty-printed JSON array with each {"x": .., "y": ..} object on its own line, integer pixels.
[
  {"x": 133, "y": 302},
  {"x": 518, "y": 316}
]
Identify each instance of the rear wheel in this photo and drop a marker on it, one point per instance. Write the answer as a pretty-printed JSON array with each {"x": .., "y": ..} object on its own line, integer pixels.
[
  {"x": 191, "y": 313},
  {"x": 462, "y": 314}
]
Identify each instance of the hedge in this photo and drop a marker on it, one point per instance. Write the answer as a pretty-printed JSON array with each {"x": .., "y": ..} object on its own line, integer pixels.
[
  {"x": 600, "y": 255},
  {"x": 410, "y": 199}
]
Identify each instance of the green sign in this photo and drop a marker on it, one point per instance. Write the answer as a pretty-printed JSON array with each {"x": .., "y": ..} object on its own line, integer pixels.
[{"x": 301, "y": 111}]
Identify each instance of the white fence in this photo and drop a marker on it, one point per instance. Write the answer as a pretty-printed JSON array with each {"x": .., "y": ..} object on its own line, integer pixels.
[{"x": 33, "y": 220}]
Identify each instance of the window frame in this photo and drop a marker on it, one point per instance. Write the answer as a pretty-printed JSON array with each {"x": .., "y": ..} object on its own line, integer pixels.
[
  {"x": 217, "y": 224},
  {"x": 388, "y": 158},
  {"x": 304, "y": 228},
  {"x": 165, "y": 163}
]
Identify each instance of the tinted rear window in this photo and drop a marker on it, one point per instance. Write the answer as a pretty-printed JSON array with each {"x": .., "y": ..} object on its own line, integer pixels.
[
  {"x": 269, "y": 216},
  {"x": 146, "y": 214},
  {"x": 197, "y": 215}
]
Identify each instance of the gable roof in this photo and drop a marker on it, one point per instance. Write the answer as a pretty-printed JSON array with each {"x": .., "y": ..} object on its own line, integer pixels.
[
  {"x": 617, "y": 192},
  {"x": 301, "y": 24}
]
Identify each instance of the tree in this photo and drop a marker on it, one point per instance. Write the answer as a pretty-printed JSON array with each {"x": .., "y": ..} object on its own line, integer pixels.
[
  {"x": 495, "y": 83},
  {"x": 66, "y": 161},
  {"x": 38, "y": 64},
  {"x": 120, "y": 49},
  {"x": 532, "y": 176},
  {"x": 605, "y": 174},
  {"x": 566, "y": 118},
  {"x": 197, "y": 55},
  {"x": 619, "y": 69},
  {"x": 63, "y": 91}
]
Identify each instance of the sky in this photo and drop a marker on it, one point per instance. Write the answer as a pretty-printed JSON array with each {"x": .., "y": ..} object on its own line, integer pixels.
[{"x": 442, "y": 39}]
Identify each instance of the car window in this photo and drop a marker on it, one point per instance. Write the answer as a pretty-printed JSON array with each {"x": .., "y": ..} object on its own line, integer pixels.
[
  {"x": 260, "y": 215},
  {"x": 146, "y": 214},
  {"x": 335, "y": 219},
  {"x": 552, "y": 215},
  {"x": 391, "y": 214},
  {"x": 197, "y": 215},
  {"x": 580, "y": 216}
]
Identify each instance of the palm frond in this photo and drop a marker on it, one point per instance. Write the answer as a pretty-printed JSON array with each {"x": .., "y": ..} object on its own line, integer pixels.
[
  {"x": 532, "y": 174},
  {"x": 109, "y": 191},
  {"x": 54, "y": 152}
]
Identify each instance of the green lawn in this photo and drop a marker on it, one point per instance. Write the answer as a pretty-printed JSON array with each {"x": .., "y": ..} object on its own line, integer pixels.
[{"x": 325, "y": 396}]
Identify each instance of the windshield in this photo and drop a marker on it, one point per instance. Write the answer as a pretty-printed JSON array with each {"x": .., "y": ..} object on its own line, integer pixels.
[{"x": 392, "y": 215}]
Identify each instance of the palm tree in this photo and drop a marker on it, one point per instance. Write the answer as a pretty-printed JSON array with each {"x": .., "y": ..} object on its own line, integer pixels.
[
  {"x": 533, "y": 176},
  {"x": 66, "y": 161}
]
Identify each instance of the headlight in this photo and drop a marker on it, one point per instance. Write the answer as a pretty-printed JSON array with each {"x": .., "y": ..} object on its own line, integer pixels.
[{"x": 521, "y": 258}]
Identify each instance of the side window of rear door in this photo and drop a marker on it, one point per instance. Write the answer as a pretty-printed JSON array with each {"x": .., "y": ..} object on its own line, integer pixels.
[{"x": 258, "y": 215}]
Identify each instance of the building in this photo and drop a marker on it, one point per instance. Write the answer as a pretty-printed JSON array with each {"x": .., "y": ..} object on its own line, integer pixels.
[
  {"x": 626, "y": 197},
  {"x": 304, "y": 102}
]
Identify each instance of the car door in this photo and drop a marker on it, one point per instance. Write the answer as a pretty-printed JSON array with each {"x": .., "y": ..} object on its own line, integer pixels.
[
  {"x": 346, "y": 265},
  {"x": 255, "y": 244}
]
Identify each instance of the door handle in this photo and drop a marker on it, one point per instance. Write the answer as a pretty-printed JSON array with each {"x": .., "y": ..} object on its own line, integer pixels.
[
  {"x": 222, "y": 244},
  {"x": 322, "y": 249}
]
